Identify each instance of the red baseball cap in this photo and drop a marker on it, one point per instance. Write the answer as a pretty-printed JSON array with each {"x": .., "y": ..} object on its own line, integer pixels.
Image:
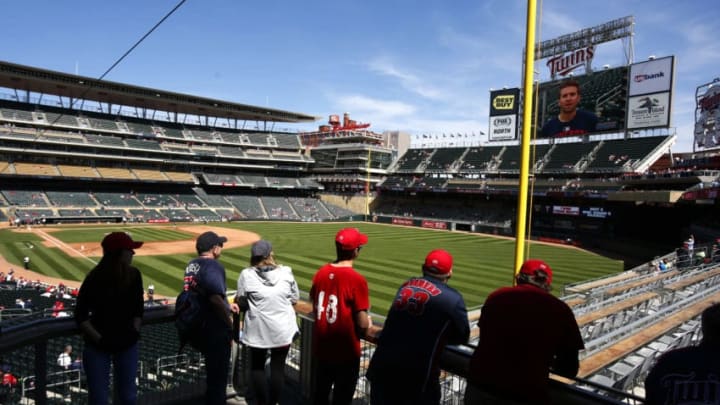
[
  {"x": 350, "y": 238},
  {"x": 531, "y": 266},
  {"x": 119, "y": 241},
  {"x": 438, "y": 263}
]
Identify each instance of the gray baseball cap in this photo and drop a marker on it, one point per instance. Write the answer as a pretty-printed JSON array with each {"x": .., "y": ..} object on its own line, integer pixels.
[{"x": 261, "y": 248}]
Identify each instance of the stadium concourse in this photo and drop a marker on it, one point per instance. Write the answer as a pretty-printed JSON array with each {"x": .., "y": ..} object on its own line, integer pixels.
[{"x": 627, "y": 320}]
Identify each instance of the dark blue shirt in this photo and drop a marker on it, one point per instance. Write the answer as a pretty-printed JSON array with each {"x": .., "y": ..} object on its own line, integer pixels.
[
  {"x": 209, "y": 275},
  {"x": 687, "y": 375},
  {"x": 584, "y": 122},
  {"x": 426, "y": 315}
]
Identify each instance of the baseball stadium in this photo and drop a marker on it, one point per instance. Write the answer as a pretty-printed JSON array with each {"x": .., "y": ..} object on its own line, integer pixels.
[{"x": 81, "y": 157}]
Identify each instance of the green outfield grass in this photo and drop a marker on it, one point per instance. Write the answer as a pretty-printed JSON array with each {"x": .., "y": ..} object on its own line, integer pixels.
[{"x": 482, "y": 263}]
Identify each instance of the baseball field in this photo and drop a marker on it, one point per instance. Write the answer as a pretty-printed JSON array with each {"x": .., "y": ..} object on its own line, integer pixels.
[{"x": 482, "y": 263}]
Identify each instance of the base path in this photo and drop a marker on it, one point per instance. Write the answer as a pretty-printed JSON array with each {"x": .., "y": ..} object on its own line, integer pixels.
[{"x": 236, "y": 238}]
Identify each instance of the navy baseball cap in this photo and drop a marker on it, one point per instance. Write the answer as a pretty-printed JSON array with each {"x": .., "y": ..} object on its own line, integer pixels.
[{"x": 207, "y": 240}]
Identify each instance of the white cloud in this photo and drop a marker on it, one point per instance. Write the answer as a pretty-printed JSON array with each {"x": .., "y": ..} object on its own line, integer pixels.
[
  {"x": 362, "y": 106},
  {"x": 407, "y": 80},
  {"x": 554, "y": 23}
]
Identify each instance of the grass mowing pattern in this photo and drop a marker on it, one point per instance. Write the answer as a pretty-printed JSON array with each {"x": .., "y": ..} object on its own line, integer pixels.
[{"x": 392, "y": 255}]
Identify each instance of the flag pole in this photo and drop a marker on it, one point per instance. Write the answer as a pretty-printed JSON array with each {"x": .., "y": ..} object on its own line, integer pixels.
[{"x": 529, "y": 65}]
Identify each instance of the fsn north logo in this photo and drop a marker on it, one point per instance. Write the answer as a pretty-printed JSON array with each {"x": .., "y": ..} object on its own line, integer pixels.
[
  {"x": 643, "y": 77},
  {"x": 502, "y": 122},
  {"x": 504, "y": 102}
]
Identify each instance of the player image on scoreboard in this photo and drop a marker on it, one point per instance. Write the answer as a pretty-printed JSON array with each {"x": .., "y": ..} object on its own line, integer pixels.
[{"x": 582, "y": 105}]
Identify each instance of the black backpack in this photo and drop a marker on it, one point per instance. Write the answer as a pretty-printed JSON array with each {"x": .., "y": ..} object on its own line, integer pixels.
[{"x": 190, "y": 317}]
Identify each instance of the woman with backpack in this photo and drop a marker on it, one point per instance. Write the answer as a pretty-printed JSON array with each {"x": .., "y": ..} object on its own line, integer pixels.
[{"x": 266, "y": 294}]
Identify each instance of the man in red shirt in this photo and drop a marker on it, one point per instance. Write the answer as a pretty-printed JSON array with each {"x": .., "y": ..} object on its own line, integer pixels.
[
  {"x": 524, "y": 332},
  {"x": 340, "y": 303}
]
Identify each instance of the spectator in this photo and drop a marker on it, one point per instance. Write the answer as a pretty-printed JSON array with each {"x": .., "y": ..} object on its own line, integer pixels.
[
  {"x": 426, "y": 314},
  {"x": 151, "y": 293},
  {"x": 267, "y": 292},
  {"x": 58, "y": 309},
  {"x": 64, "y": 360},
  {"x": 524, "y": 332},
  {"x": 689, "y": 375},
  {"x": 7, "y": 388},
  {"x": 19, "y": 303},
  {"x": 340, "y": 303},
  {"x": 690, "y": 245},
  {"x": 109, "y": 313},
  {"x": 208, "y": 275},
  {"x": 77, "y": 364}
]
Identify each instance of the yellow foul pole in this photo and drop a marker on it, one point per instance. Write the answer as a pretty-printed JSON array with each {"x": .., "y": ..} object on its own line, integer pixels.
[{"x": 529, "y": 66}]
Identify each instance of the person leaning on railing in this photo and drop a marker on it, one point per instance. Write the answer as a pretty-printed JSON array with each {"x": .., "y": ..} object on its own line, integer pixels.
[{"x": 524, "y": 333}]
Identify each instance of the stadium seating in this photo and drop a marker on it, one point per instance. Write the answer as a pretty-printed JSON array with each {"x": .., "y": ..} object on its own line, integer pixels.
[
  {"x": 25, "y": 198},
  {"x": 77, "y": 171},
  {"x": 623, "y": 155},
  {"x": 411, "y": 161},
  {"x": 70, "y": 199},
  {"x": 565, "y": 157},
  {"x": 310, "y": 209},
  {"x": 278, "y": 208},
  {"x": 157, "y": 200},
  {"x": 149, "y": 175},
  {"x": 36, "y": 169},
  {"x": 248, "y": 206},
  {"x": 116, "y": 173},
  {"x": 116, "y": 199},
  {"x": 444, "y": 159},
  {"x": 479, "y": 158},
  {"x": 148, "y": 144}
]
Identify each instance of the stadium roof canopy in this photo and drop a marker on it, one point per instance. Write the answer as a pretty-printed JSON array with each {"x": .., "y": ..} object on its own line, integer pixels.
[{"x": 31, "y": 79}]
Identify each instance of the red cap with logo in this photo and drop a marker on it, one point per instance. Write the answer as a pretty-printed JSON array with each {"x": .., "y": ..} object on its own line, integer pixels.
[
  {"x": 531, "y": 266},
  {"x": 438, "y": 263},
  {"x": 350, "y": 238},
  {"x": 119, "y": 241}
]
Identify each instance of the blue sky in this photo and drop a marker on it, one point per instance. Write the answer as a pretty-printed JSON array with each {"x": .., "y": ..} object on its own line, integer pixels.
[{"x": 418, "y": 66}]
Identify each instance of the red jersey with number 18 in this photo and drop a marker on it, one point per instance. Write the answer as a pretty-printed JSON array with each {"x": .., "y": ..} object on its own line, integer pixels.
[{"x": 337, "y": 293}]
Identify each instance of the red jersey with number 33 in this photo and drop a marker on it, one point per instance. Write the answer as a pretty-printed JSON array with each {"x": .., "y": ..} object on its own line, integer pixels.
[{"x": 337, "y": 293}]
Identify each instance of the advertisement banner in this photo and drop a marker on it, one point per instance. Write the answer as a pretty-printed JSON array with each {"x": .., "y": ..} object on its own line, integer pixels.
[
  {"x": 504, "y": 102},
  {"x": 402, "y": 221},
  {"x": 434, "y": 224},
  {"x": 503, "y": 128},
  {"x": 648, "y": 111},
  {"x": 565, "y": 210},
  {"x": 652, "y": 76}
]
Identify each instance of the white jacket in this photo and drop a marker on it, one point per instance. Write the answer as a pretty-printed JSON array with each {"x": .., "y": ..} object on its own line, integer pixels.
[{"x": 270, "y": 317}]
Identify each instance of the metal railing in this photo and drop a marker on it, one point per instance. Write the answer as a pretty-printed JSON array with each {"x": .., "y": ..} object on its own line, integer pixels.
[{"x": 36, "y": 334}]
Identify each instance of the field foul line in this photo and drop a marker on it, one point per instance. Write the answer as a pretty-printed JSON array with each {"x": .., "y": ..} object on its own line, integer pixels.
[{"x": 63, "y": 245}]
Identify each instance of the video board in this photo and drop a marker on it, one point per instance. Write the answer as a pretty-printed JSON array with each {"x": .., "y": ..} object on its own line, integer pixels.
[{"x": 601, "y": 102}]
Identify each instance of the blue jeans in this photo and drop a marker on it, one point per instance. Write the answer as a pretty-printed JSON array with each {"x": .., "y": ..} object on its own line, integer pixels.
[{"x": 97, "y": 369}]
